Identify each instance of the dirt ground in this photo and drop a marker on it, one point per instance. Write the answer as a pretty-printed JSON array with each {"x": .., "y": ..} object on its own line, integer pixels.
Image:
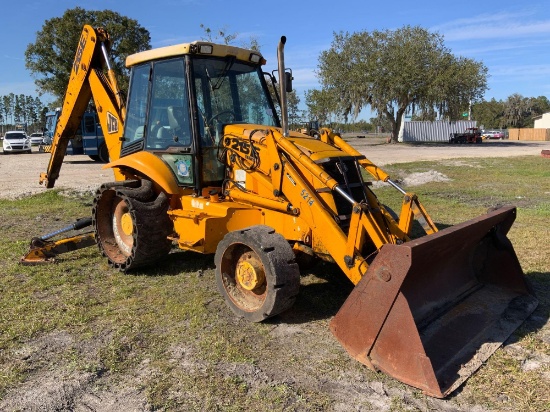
[
  {"x": 19, "y": 176},
  {"x": 19, "y": 173}
]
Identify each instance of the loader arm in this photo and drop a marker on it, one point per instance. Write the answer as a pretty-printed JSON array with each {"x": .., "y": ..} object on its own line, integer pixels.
[
  {"x": 91, "y": 77},
  {"x": 411, "y": 207},
  {"x": 368, "y": 220},
  {"x": 366, "y": 223}
]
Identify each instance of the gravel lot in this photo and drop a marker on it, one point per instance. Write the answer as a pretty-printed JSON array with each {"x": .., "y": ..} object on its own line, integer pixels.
[{"x": 19, "y": 173}]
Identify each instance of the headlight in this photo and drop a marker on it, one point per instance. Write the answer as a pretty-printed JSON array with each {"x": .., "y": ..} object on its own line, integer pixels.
[{"x": 206, "y": 49}]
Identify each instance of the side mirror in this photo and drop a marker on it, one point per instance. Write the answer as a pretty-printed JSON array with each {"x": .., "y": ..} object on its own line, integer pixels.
[{"x": 288, "y": 81}]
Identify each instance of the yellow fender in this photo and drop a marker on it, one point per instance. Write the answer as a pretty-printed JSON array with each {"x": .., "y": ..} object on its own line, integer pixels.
[{"x": 148, "y": 165}]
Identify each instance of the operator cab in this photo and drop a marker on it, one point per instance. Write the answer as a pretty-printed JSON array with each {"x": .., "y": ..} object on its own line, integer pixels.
[{"x": 181, "y": 97}]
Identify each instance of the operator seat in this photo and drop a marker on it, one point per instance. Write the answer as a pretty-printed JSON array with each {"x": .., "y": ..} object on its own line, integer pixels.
[{"x": 177, "y": 121}]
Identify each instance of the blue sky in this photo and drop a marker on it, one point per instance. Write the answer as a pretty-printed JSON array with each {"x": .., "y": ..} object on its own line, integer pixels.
[{"x": 511, "y": 38}]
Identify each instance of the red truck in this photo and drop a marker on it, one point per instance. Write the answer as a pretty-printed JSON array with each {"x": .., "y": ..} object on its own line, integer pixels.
[{"x": 470, "y": 135}]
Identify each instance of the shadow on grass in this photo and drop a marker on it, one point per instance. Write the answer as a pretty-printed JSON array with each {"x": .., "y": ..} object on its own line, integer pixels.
[
  {"x": 320, "y": 299},
  {"x": 540, "y": 283},
  {"x": 325, "y": 288},
  {"x": 176, "y": 263}
]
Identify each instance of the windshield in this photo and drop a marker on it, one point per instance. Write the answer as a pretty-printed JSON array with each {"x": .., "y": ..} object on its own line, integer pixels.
[
  {"x": 51, "y": 121},
  {"x": 229, "y": 91},
  {"x": 15, "y": 136}
]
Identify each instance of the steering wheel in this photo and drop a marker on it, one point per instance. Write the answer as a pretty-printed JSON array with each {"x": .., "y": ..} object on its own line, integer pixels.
[{"x": 225, "y": 112}]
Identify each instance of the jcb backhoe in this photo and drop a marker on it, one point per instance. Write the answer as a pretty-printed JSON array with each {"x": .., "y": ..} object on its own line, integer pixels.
[{"x": 200, "y": 158}]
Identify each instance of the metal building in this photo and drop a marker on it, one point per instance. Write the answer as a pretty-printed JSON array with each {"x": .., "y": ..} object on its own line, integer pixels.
[{"x": 438, "y": 131}]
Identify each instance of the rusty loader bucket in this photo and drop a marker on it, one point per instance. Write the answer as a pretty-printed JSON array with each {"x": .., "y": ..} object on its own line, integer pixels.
[{"x": 429, "y": 312}]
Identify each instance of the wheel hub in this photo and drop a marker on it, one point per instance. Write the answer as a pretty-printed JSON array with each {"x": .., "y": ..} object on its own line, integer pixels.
[
  {"x": 249, "y": 274},
  {"x": 126, "y": 224}
]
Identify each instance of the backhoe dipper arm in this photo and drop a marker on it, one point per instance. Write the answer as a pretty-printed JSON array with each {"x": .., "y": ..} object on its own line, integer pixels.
[{"x": 88, "y": 80}]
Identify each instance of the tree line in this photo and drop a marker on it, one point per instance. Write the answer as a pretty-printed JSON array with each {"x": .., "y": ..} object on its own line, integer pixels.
[
  {"x": 516, "y": 111},
  {"x": 21, "y": 109}
]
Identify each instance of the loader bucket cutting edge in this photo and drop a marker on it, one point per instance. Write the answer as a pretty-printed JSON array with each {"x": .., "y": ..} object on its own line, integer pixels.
[{"x": 429, "y": 312}]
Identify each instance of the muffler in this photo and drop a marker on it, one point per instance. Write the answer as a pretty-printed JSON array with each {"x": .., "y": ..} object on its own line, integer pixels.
[{"x": 429, "y": 312}]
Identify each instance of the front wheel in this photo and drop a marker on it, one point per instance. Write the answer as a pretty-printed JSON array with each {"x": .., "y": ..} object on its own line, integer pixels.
[
  {"x": 131, "y": 224},
  {"x": 256, "y": 273}
]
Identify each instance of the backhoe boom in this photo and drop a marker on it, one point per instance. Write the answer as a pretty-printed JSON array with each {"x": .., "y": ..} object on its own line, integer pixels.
[{"x": 87, "y": 81}]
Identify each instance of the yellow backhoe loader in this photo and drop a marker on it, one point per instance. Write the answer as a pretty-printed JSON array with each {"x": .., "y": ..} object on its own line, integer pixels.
[{"x": 201, "y": 159}]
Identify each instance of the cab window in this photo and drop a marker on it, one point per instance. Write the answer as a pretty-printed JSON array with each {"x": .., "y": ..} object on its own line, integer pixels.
[{"x": 168, "y": 117}]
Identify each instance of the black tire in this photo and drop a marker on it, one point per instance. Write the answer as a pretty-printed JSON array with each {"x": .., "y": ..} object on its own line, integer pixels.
[
  {"x": 103, "y": 153},
  {"x": 131, "y": 224},
  {"x": 256, "y": 273}
]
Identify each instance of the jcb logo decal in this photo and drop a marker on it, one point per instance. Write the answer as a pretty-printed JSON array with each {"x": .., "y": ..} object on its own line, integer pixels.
[
  {"x": 112, "y": 123},
  {"x": 79, "y": 51}
]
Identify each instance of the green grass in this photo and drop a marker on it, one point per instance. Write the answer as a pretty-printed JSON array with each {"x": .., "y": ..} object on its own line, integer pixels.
[{"x": 168, "y": 329}]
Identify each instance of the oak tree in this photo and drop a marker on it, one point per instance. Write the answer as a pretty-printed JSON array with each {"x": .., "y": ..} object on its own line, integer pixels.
[
  {"x": 51, "y": 56},
  {"x": 320, "y": 105},
  {"x": 398, "y": 71}
]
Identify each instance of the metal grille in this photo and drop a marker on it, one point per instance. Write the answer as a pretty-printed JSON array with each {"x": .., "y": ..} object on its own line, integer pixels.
[{"x": 131, "y": 148}]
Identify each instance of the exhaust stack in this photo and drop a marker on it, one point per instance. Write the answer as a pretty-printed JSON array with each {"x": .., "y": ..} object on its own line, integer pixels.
[{"x": 282, "y": 85}]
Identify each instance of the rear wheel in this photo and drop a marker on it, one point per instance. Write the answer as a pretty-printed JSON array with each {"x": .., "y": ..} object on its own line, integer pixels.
[
  {"x": 256, "y": 273},
  {"x": 131, "y": 224},
  {"x": 103, "y": 153}
]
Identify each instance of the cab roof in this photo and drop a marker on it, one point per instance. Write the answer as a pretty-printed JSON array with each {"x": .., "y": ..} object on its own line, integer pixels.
[{"x": 196, "y": 48}]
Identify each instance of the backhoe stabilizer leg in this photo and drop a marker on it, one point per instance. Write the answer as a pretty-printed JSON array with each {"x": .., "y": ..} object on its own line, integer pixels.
[
  {"x": 429, "y": 312},
  {"x": 45, "y": 251}
]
